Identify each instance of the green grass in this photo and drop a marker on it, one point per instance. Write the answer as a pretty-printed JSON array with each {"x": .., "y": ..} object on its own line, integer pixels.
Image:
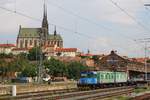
[
  {"x": 119, "y": 98},
  {"x": 143, "y": 89}
]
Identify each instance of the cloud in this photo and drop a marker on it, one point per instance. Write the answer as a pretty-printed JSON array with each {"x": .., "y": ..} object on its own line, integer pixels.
[{"x": 102, "y": 12}]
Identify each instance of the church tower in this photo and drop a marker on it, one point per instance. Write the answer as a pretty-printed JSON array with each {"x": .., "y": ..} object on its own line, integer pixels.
[{"x": 45, "y": 23}]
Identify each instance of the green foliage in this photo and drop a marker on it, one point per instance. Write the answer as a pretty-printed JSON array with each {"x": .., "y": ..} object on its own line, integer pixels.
[
  {"x": 58, "y": 54},
  {"x": 18, "y": 63},
  {"x": 34, "y": 54},
  {"x": 148, "y": 61},
  {"x": 23, "y": 63},
  {"x": 3, "y": 67},
  {"x": 74, "y": 69},
  {"x": 29, "y": 71},
  {"x": 3, "y": 55},
  {"x": 96, "y": 59},
  {"x": 56, "y": 67}
]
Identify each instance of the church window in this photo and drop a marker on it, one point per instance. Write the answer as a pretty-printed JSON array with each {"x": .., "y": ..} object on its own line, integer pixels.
[
  {"x": 26, "y": 43},
  {"x": 58, "y": 43},
  {"x": 25, "y": 34},
  {"x": 21, "y": 44},
  {"x": 30, "y": 42},
  {"x": 35, "y": 43}
]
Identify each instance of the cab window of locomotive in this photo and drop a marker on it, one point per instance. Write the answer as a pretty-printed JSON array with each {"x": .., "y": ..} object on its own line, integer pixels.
[
  {"x": 90, "y": 75},
  {"x": 83, "y": 75}
]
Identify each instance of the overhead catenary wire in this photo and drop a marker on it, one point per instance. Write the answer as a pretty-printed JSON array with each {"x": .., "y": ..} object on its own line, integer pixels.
[
  {"x": 77, "y": 15},
  {"x": 36, "y": 19},
  {"x": 133, "y": 18},
  {"x": 33, "y": 18},
  {"x": 84, "y": 18},
  {"x": 145, "y": 5}
]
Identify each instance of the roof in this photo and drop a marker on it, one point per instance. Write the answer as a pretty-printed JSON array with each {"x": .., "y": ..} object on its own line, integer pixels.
[
  {"x": 113, "y": 57},
  {"x": 86, "y": 54},
  {"x": 20, "y": 49},
  {"x": 66, "y": 49},
  {"x": 54, "y": 37},
  {"x": 7, "y": 45},
  {"x": 29, "y": 32},
  {"x": 34, "y": 32},
  {"x": 141, "y": 60}
]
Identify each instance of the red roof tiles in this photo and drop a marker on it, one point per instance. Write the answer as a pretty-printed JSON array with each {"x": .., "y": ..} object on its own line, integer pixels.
[
  {"x": 19, "y": 49},
  {"x": 7, "y": 45},
  {"x": 66, "y": 50}
]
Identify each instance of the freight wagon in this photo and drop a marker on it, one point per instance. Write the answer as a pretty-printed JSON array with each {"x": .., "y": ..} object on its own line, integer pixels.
[{"x": 101, "y": 79}]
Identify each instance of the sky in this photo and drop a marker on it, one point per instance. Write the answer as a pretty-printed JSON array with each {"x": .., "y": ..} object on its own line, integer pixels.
[{"x": 97, "y": 25}]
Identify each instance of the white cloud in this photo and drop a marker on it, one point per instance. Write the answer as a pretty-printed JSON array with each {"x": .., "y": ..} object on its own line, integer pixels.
[{"x": 100, "y": 11}]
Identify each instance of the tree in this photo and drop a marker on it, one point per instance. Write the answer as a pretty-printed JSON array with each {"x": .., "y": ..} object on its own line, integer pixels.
[
  {"x": 34, "y": 54},
  {"x": 29, "y": 71},
  {"x": 56, "y": 67},
  {"x": 74, "y": 70},
  {"x": 58, "y": 54},
  {"x": 3, "y": 68}
]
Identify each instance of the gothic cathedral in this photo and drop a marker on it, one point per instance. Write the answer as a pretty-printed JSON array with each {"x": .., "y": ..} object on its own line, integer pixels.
[{"x": 32, "y": 37}]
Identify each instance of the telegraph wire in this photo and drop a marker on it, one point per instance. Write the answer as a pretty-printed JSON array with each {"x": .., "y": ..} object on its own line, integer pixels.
[
  {"x": 134, "y": 19},
  {"x": 33, "y": 18},
  {"x": 66, "y": 29},
  {"x": 19, "y": 13},
  {"x": 85, "y": 19},
  {"x": 77, "y": 15},
  {"x": 144, "y": 6}
]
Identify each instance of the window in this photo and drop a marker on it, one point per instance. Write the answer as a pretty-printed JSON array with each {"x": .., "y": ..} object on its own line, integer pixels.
[
  {"x": 35, "y": 43},
  {"x": 58, "y": 43},
  {"x": 30, "y": 42},
  {"x": 112, "y": 76},
  {"x": 26, "y": 43},
  {"x": 21, "y": 44},
  {"x": 102, "y": 76},
  {"x": 107, "y": 76}
]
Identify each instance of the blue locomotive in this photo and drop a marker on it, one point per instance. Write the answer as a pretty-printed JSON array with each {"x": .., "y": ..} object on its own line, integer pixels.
[{"x": 101, "y": 79}]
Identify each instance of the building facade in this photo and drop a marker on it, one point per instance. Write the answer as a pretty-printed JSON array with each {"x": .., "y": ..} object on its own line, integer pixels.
[
  {"x": 6, "y": 48},
  {"x": 70, "y": 52},
  {"x": 34, "y": 37}
]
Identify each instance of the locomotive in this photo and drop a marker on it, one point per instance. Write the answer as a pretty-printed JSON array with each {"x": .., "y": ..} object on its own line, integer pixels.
[{"x": 102, "y": 79}]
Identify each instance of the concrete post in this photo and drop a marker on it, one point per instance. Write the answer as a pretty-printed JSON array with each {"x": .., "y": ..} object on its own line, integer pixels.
[{"x": 14, "y": 90}]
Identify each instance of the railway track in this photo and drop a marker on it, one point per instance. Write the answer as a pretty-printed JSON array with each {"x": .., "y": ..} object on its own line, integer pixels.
[
  {"x": 71, "y": 94},
  {"x": 93, "y": 94},
  {"x": 145, "y": 96},
  {"x": 29, "y": 95}
]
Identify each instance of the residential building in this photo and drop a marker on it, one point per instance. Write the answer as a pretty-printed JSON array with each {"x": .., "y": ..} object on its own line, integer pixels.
[
  {"x": 6, "y": 48},
  {"x": 17, "y": 51},
  {"x": 71, "y": 52}
]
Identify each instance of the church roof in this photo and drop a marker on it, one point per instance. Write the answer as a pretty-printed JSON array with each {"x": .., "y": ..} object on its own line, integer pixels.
[
  {"x": 29, "y": 32},
  {"x": 54, "y": 37}
]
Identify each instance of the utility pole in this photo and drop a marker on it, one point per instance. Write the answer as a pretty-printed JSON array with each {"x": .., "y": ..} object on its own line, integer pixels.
[
  {"x": 145, "y": 41},
  {"x": 40, "y": 67},
  {"x": 145, "y": 60}
]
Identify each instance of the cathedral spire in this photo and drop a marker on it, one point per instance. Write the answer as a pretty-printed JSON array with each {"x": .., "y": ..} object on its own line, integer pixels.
[
  {"x": 45, "y": 10},
  {"x": 55, "y": 32},
  {"x": 45, "y": 21}
]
